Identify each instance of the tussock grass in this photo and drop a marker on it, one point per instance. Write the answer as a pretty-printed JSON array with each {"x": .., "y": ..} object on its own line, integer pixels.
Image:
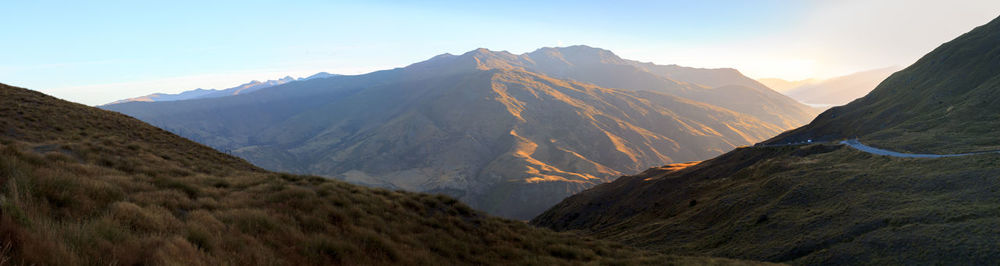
[
  {"x": 54, "y": 214},
  {"x": 81, "y": 186},
  {"x": 817, "y": 204}
]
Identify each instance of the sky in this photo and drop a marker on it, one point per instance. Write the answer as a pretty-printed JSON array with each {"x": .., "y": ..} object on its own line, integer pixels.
[{"x": 95, "y": 52}]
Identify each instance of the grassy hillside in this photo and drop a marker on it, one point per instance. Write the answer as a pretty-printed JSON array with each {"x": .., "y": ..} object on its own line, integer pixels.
[
  {"x": 83, "y": 186},
  {"x": 946, "y": 102},
  {"x": 818, "y": 204}
]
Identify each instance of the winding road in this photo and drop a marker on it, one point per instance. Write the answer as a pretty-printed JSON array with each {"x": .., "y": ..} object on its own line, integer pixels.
[
  {"x": 857, "y": 145},
  {"x": 854, "y": 143}
]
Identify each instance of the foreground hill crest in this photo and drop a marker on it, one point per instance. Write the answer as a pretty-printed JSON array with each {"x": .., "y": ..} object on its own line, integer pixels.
[{"x": 84, "y": 186}]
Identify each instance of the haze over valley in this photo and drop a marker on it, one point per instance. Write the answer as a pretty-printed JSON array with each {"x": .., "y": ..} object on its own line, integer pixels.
[{"x": 833, "y": 91}]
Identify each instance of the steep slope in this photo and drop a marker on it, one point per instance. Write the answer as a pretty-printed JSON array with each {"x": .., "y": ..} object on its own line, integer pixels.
[
  {"x": 83, "y": 186},
  {"x": 711, "y": 77},
  {"x": 945, "y": 102},
  {"x": 807, "y": 205},
  {"x": 604, "y": 68},
  {"x": 841, "y": 90},
  {"x": 203, "y": 93},
  {"x": 504, "y": 140},
  {"x": 725, "y": 88},
  {"x": 824, "y": 203}
]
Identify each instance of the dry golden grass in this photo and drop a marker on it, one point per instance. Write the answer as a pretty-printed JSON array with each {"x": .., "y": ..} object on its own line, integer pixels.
[{"x": 81, "y": 186}]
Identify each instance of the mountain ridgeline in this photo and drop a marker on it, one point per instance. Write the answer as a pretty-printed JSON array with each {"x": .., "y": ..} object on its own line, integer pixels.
[
  {"x": 826, "y": 203},
  {"x": 203, "y": 93},
  {"x": 508, "y": 134}
]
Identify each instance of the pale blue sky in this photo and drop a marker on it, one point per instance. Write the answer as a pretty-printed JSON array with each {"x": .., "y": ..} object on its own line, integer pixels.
[{"x": 95, "y": 52}]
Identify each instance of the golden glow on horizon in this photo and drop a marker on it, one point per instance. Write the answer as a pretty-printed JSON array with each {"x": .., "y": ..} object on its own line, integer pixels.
[{"x": 789, "y": 69}]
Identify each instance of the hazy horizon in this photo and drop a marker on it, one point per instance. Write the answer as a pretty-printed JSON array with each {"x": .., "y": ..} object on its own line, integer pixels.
[{"x": 95, "y": 53}]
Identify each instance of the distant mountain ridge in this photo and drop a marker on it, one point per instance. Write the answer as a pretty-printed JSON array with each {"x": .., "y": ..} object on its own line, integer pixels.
[
  {"x": 213, "y": 93},
  {"x": 834, "y": 91},
  {"x": 842, "y": 89},
  {"x": 783, "y": 86},
  {"x": 508, "y": 134}
]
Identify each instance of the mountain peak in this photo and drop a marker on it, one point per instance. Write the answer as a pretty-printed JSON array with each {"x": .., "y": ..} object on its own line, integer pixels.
[
  {"x": 441, "y": 56},
  {"x": 578, "y": 47},
  {"x": 480, "y": 58},
  {"x": 578, "y": 54},
  {"x": 320, "y": 75},
  {"x": 483, "y": 59},
  {"x": 480, "y": 51}
]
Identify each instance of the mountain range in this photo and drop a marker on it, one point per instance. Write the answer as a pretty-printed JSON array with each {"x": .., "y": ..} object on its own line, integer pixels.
[
  {"x": 508, "y": 134},
  {"x": 213, "y": 93},
  {"x": 803, "y": 197}
]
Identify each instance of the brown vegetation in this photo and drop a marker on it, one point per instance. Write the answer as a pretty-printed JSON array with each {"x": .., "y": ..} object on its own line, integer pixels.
[
  {"x": 816, "y": 204},
  {"x": 81, "y": 186}
]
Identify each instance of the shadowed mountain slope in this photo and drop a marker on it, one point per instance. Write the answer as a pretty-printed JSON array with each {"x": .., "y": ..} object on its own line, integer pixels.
[
  {"x": 504, "y": 140},
  {"x": 726, "y": 88},
  {"x": 603, "y": 68},
  {"x": 824, "y": 203},
  {"x": 84, "y": 186},
  {"x": 490, "y": 128},
  {"x": 946, "y": 102}
]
